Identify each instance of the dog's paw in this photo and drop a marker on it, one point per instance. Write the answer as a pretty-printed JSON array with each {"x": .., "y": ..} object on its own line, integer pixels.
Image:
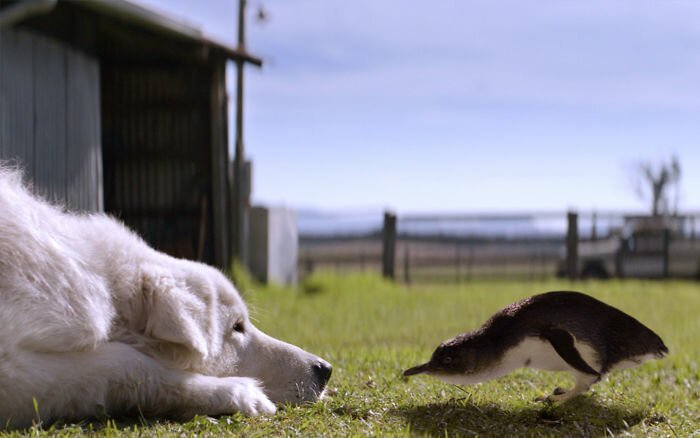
[{"x": 246, "y": 396}]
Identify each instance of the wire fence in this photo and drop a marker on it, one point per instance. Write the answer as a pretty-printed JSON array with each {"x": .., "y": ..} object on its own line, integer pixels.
[{"x": 459, "y": 248}]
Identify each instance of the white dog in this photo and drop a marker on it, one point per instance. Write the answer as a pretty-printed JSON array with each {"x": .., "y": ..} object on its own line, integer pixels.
[{"x": 93, "y": 321}]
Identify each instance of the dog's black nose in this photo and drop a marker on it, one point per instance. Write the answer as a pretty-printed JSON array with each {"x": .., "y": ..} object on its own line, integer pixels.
[{"x": 322, "y": 371}]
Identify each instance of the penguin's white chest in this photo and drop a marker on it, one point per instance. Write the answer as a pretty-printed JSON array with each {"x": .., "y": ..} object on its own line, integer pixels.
[
  {"x": 540, "y": 354},
  {"x": 532, "y": 352}
]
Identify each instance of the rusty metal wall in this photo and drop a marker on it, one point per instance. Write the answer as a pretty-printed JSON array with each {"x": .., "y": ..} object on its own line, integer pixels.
[
  {"x": 49, "y": 117},
  {"x": 157, "y": 166}
]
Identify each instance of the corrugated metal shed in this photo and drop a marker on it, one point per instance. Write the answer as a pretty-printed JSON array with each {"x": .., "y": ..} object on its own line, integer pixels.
[
  {"x": 111, "y": 106},
  {"x": 49, "y": 117},
  {"x": 158, "y": 161}
]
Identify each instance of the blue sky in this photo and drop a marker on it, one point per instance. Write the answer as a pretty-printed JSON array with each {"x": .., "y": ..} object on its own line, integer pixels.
[{"x": 464, "y": 105}]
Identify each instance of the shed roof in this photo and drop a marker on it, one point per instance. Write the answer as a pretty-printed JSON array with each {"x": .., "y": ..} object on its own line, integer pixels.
[{"x": 129, "y": 14}]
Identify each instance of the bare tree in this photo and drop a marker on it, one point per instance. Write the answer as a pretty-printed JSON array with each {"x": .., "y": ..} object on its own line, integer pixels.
[{"x": 658, "y": 182}]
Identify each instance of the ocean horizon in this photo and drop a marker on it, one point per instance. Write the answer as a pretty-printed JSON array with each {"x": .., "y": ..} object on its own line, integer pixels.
[{"x": 537, "y": 225}]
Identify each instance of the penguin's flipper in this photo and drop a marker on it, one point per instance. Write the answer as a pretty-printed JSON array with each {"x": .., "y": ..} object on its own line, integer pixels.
[{"x": 563, "y": 343}]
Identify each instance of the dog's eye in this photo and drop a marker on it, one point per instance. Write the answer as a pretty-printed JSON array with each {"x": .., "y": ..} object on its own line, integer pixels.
[{"x": 239, "y": 327}]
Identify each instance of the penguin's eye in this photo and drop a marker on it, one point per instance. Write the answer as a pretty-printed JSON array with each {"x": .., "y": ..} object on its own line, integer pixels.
[{"x": 446, "y": 359}]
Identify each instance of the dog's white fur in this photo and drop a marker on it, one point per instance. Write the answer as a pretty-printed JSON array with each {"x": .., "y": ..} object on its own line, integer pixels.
[{"x": 94, "y": 321}]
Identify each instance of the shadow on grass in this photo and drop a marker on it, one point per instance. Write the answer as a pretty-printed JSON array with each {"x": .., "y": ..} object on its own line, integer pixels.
[
  {"x": 94, "y": 425},
  {"x": 132, "y": 421},
  {"x": 583, "y": 416}
]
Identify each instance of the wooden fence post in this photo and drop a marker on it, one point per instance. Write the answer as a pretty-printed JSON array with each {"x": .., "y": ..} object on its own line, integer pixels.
[
  {"x": 308, "y": 264},
  {"x": 406, "y": 265},
  {"x": 458, "y": 262},
  {"x": 572, "y": 246},
  {"x": 666, "y": 240},
  {"x": 389, "y": 246},
  {"x": 692, "y": 228}
]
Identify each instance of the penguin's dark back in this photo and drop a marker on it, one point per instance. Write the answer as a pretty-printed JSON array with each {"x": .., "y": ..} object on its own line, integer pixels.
[{"x": 614, "y": 334}]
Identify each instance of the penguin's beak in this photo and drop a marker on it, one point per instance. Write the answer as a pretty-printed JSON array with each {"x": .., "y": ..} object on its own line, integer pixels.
[{"x": 419, "y": 369}]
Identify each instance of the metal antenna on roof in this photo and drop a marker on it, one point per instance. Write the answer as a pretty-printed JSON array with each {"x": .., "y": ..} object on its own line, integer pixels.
[{"x": 261, "y": 15}]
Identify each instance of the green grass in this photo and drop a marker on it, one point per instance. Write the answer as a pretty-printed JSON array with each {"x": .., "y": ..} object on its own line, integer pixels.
[{"x": 371, "y": 330}]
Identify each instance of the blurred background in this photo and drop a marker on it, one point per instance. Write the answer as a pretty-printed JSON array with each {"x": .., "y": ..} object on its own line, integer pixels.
[{"x": 439, "y": 141}]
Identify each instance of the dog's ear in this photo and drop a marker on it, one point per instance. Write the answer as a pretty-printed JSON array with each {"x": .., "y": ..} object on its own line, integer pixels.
[{"x": 174, "y": 314}]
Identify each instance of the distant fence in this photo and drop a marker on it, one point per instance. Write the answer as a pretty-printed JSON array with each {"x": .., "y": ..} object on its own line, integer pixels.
[
  {"x": 459, "y": 248},
  {"x": 340, "y": 242},
  {"x": 437, "y": 248}
]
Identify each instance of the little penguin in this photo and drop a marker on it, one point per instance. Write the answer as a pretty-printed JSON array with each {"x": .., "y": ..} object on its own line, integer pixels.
[{"x": 554, "y": 331}]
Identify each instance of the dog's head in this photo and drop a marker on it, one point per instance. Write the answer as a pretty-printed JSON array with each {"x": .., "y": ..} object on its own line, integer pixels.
[{"x": 200, "y": 323}]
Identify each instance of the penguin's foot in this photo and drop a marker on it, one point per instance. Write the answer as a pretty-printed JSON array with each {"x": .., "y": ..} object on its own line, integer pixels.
[
  {"x": 559, "y": 395},
  {"x": 558, "y": 391},
  {"x": 549, "y": 398},
  {"x": 553, "y": 398}
]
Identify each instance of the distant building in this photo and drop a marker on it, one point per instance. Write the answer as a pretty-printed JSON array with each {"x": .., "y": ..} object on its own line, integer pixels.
[{"x": 111, "y": 107}]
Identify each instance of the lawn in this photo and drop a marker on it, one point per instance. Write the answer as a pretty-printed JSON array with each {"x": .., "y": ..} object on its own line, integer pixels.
[{"x": 371, "y": 330}]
